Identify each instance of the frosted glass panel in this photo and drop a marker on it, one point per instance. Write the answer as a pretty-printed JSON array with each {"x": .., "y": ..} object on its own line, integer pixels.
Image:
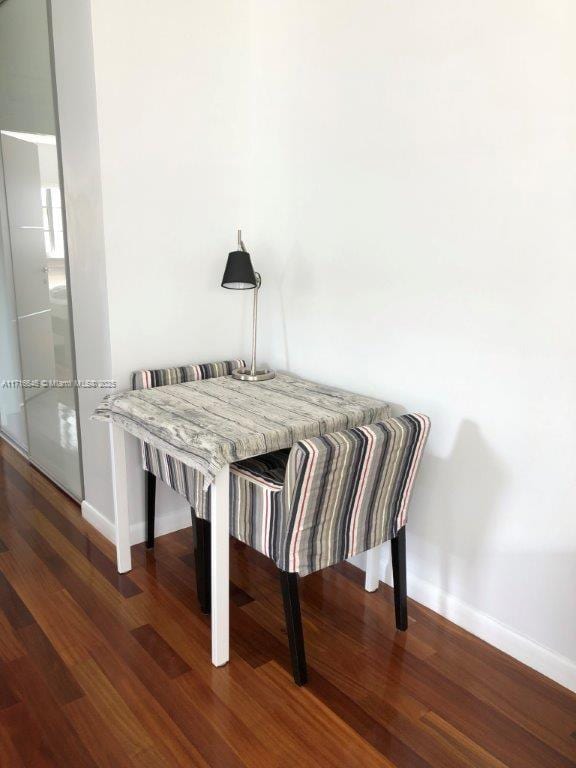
[
  {"x": 42, "y": 415},
  {"x": 12, "y": 417}
]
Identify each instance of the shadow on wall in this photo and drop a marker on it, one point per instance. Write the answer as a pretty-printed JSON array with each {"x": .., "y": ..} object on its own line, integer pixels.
[
  {"x": 453, "y": 512},
  {"x": 454, "y": 504}
]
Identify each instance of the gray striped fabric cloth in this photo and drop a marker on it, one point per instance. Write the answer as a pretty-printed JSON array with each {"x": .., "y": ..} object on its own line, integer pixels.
[
  {"x": 343, "y": 493},
  {"x": 208, "y": 423},
  {"x": 185, "y": 480},
  {"x": 161, "y": 377}
]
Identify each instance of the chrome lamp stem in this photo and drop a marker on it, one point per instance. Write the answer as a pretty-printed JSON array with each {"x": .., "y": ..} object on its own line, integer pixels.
[{"x": 255, "y": 324}]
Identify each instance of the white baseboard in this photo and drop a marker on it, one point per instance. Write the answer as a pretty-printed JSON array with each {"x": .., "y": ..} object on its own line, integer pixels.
[
  {"x": 97, "y": 519},
  {"x": 169, "y": 523},
  {"x": 555, "y": 666}
]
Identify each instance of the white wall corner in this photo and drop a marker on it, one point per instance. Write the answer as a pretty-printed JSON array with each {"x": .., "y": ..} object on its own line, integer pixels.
[
  {"x": 168, "y": 523},
  {"x": 555, "y": 666}
]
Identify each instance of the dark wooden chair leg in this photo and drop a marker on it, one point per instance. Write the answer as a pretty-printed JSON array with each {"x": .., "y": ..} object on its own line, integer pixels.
[
  {"x": 203, "y": 564},
  {"x": 150, "y": 494},
  {"x": 399, "y": 575},
  {"x": 289, "y": 582}
]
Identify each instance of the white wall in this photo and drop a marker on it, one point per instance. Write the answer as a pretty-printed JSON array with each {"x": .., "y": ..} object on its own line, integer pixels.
[
  {"x": 172, "y": 104},
  {"x": 414, "y": 170}
]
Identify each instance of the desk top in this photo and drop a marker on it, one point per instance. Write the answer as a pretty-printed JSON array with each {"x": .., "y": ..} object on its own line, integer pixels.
[{"x": 208, "y": 424}]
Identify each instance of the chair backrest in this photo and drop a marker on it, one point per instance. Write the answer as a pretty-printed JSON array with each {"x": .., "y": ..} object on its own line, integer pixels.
[
  {"x": 161, "y": 377},
  {"x": 184, "y": 480},
  {"x": 348, "y": 491}
]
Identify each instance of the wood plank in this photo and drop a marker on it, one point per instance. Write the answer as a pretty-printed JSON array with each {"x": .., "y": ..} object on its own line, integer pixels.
[
  {"x": 8, "y": 750},
  {"x": 21, "y": 735},
  {"x": 182, "y": 710},
  {"x": 166, "y": 657},
  {"x": 7, "y": 695},
  {"x": 125, "y": 729},
  {"x": 345, "y": 741},
  {"x": 43, "y": 655},
  {"x": 23, "y": 569},
  {"x": 550, "y": 723},
  {"x": 148, "y": 710},
  {"x": 65, "y": 625},
  {"x": 49, "y": 717},
  {"x": 456, "y": 742},
  {"x": 10, "y": 647},
  {"x": 96, "y": 733},
  {"x": 14, "y": 609}
]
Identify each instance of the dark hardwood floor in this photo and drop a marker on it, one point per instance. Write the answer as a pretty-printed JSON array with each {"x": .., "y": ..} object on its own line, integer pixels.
[{"x": 98, "y": 669}]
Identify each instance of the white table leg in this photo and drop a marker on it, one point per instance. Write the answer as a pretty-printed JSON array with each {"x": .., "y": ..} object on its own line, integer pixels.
[
  {"x": 220, "y": 556},
  {"x": 120, "y": 491},
  {"x": 372, "y": 569}
]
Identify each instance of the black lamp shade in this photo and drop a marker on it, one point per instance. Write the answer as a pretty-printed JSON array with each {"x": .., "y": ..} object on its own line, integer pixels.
[{"x": 239, "y": 273}]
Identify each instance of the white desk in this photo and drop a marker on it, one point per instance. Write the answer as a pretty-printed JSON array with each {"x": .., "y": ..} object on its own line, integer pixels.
[{"x": 211, "y": 423}]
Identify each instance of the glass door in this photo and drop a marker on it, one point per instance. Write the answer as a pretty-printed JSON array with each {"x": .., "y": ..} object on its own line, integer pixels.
[{"x": 35, "y": 258}]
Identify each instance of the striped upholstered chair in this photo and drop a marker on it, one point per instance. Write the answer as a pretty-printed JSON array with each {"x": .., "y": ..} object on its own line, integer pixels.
[
  {"x": 326, "y": 499},
  {"x": 181, "y": 478}
]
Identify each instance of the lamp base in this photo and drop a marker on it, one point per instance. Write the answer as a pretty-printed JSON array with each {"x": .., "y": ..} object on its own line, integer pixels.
[{"x": 260, "y": 374}]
